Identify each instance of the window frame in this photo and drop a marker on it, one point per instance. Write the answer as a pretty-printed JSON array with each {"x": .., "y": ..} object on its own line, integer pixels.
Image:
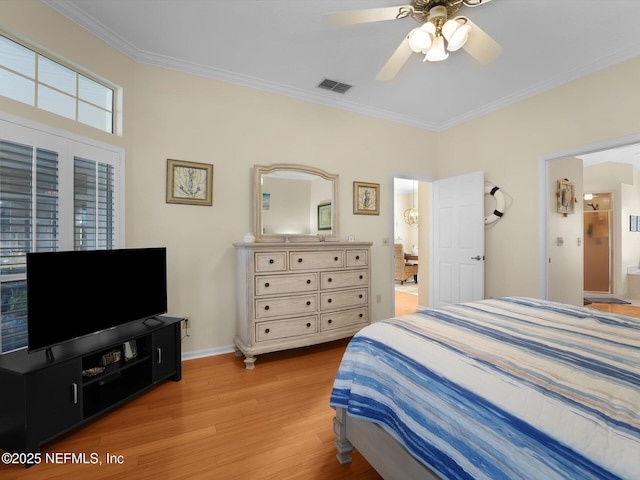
[
  {"x": 78, "y": 100},
  {"x": 68, "y": 146}
]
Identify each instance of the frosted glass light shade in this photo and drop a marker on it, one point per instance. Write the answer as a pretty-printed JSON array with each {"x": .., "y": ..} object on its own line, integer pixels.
[
  {"x": 456, "y": 35},
  {"x": 419, "y": 40},
  {"x": 437, "y": 52}
]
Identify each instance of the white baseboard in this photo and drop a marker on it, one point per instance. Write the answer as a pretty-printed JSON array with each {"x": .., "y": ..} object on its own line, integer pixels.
[{"x": 207, "y": 352}]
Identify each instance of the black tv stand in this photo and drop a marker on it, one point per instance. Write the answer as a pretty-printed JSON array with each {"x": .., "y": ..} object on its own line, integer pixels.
[{"x": 45, "y": 395}]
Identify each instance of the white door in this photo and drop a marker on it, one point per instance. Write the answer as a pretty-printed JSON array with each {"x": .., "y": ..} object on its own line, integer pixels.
[{"x": 458, "y": 239}]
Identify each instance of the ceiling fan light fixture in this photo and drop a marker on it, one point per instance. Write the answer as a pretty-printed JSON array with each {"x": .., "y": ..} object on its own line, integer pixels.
[
  {"x": 419, "y": 40},
  {"x": 437, "y": 52}
]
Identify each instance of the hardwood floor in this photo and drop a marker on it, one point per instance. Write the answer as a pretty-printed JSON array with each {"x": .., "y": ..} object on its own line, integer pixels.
[
  {"x": 405, "y": 303},
  {"x": 220, "y": 422},
  {"x": 628, "y": 310},
  {"x": 223, "y": 422}
]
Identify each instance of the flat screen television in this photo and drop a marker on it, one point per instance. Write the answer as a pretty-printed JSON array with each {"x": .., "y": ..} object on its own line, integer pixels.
[{"x": 78, "y": 293}]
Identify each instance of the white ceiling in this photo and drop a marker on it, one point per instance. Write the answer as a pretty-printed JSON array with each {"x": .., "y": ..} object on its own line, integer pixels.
[{"x": 285, "y": 46}]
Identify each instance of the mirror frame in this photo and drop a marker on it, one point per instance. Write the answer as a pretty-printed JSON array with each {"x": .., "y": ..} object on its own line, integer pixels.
[{"x": 260, "y": 170}]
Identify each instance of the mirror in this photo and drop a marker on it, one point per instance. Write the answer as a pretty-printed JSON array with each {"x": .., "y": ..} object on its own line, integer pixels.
[{"x": 295, "y": 202}]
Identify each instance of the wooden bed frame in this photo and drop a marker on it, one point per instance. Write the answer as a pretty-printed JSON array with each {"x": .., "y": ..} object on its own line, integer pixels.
[{"x": 383, "y": 452}]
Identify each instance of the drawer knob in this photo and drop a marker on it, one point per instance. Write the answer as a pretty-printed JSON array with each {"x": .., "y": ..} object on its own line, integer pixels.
[
  {"x": 361, "y": 315},
  {"x": 271, "y": 260},
  {"x": 357, "y": 257},
  {"x": 328, "y": 300},
  {"x": 361, "y": 277},
  {"x": 308, "y": 325},
  {"x": 308, "y": 303},
  {"x": 266, "y": 330},
  {"x": 329, "y": 279},
  {"x": 308, "y": 282},
  {"x": 299, "y": 260},
  {"x": 266, "y": 307},
  {"x": 335, "y": 258},
  {"x": 266, "y": 285},
  {"x": 360, "y": 296},
  {"x": 329, "y": 321}
]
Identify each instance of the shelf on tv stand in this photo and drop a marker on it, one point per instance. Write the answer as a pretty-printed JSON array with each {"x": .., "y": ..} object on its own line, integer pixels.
[{"x": 43, "y": 399}]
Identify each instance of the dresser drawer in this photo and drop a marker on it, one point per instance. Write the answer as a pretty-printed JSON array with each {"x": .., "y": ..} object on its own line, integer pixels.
[
  {"x": 357, "y": 258},
  {"x": 311, "y": 260},
  {"x": 347, "y": 278},
  {"x": 270, "y": 262},
  {"x": 282, "y": 306},
  {"x": 331, "y": 321},
  {"x": 349, "y": 298},
  {"x": 294, "y": 327},
  {"x": 279, "y": 284}
]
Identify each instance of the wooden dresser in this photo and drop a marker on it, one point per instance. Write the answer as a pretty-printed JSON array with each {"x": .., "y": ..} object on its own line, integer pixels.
[{"x": 297, "y": 294}]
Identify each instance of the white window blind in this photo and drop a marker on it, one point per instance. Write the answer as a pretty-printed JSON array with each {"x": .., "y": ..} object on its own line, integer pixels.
[
  {"x": 55, "y": 194},
  {"x": 93, "y": 184}
]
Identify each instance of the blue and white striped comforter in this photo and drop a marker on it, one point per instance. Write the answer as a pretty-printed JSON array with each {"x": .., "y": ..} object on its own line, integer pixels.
[{"x": 510, "y": 388}]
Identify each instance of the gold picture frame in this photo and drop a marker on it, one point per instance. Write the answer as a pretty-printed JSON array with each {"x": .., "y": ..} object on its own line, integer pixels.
[
  {"x": 566, "y": 197},
  {"x": 366, "y": 198},
  {"x": 189, "y": 183}
]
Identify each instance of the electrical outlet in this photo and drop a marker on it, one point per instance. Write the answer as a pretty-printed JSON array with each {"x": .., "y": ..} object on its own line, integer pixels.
[
  {"x": 378, "y": 298},
  {"x": 185, "y": 323}
]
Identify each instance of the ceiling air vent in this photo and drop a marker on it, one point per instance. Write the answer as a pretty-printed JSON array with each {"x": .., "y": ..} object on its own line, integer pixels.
[{"x": 334, "y": 86}]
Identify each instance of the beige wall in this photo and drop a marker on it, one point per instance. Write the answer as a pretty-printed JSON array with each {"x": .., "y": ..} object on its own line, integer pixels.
[
  {"x": 566, "y": 238},
  {"x": 630, "y": 241},
  {"x": 173, "y": 115},
  {"x": 234, "y": 128},
  {"x": 508, "y": 145}
]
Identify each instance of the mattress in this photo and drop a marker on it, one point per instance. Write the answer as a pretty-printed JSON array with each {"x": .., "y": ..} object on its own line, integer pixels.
[{"x": 509, "y": 388}]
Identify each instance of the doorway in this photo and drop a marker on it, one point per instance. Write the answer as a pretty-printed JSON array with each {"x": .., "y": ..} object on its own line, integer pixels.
[
  {"x": 625, "y": 250},
  {"x": 450, "y": 239},
  {"x": 407, "y": 217}
]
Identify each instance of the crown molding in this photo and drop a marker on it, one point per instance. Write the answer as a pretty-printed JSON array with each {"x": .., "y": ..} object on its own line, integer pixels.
[{"x": 69, "y": 10}]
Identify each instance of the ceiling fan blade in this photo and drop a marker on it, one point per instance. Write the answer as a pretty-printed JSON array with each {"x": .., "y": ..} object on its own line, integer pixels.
[
  {"x": 350, "y": 17},
  {"x": 396, "y": 61},
  {"x": 481, "y": 46}
]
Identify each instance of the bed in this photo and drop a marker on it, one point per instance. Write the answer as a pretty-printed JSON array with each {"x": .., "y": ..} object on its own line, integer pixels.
[{"x": 509, "y": 388}]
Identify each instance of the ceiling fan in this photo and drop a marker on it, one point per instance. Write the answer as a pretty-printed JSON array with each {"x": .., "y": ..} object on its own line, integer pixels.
[{"x": 440, "y": 33}]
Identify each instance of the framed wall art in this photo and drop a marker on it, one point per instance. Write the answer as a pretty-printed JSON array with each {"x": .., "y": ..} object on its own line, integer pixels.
[
  {"x": 189, "y": 182},
  {"x": 324, "y": 216},
  {"x": 566, "y": 197},
  {"x": 366, "y": 198}
]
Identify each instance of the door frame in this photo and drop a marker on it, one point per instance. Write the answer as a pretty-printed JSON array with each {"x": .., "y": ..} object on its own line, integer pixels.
[{"x": 544, "y": 192}]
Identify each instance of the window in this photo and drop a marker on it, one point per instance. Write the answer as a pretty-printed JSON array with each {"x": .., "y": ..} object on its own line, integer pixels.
[
  {"x": 30, "y": 77},
  {"x": 56, "y": 193}
]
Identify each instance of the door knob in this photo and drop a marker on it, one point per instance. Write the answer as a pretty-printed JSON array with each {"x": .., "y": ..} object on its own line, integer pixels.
[{"x": 477, "y": 257}]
